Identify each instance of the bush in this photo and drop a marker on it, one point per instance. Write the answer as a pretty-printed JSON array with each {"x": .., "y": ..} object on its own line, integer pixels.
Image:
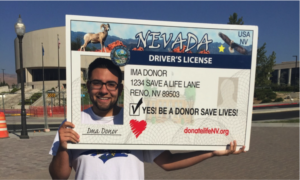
[
  {"x": 32, "y": 99},
  {"x": 260, "y": 97},
  {"x": 14, "y": 90},
  {"x": 267, "y": 100},
  {"x": 50, "y": 90},
  {"x": 261, "y": 94},
  {"x": 27, "y": 101},
  {"x": 278, "y": 100},
  {"x": 289, "y": 88},
  {"x": 272, "y": 95},
  {"x": 283, "y": 87}
]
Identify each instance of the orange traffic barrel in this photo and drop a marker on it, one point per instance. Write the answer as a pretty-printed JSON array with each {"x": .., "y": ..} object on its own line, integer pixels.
[{"x": 3, "y": 127}]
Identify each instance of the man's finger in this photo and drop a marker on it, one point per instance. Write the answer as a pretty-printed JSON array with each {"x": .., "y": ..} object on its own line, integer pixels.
[
  {"x": 242, "y": 149},
  {"x": 234, "y": 146},
  {"x": 231, "y": 147},
  {"x": 68, "y": 132},
  {"x": 75, "y": 134},
  {"x": 68, "y": 124},
  {"x": 70, "y": 137}
]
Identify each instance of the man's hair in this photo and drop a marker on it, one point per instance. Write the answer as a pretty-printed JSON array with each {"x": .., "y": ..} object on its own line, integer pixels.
[{"x": 104, "y": 63}]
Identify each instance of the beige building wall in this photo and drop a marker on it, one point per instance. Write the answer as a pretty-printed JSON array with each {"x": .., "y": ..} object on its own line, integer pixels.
[
  {"x": 286, "y": 65},
  {"x": 32, "y": 48},
  {"x": 32, "y": 55}
]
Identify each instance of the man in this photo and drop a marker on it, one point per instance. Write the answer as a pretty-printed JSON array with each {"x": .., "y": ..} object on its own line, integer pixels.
[{"x": 104, "y": 88}]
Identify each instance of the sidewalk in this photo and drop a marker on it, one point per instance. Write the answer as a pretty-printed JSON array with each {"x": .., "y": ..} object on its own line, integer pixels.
[
  {"x": 26, "y": 158},
  {"x": 273, "y": 154}
]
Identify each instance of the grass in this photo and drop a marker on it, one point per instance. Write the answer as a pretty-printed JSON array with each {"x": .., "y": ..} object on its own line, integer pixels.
[
  {"x": 14, "y": 90},
  {"x": 32, "y": 99},
  {"x": 284, "y": 121}
]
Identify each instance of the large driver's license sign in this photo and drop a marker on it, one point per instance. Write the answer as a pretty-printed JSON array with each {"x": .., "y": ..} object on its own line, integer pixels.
[{"x": 187, "y": 86}]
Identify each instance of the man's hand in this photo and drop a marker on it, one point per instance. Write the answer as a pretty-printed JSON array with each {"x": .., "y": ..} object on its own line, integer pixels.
[
  {"x": 231, "y": 150},
  {"x": 67, "y": 134}
]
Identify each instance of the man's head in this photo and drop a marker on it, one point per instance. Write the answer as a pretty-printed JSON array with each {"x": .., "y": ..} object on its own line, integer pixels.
[{"x": 104, "y": 86}]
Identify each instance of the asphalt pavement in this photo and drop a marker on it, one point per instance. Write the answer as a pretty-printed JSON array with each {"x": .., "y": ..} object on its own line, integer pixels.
[{"x": 273, "y": 154}]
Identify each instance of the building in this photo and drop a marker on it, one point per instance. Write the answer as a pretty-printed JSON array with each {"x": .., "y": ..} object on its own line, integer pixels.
[
  {"x": 33, "y": 58},
  {"x": 286, "y": 73}
]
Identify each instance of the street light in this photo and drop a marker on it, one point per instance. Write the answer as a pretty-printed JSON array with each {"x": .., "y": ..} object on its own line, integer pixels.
[
  {"x": 3, "y": 76},
  {"x": 20, "y": 31}
]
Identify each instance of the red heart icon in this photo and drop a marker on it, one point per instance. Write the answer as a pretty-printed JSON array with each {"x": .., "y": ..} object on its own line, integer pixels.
[{"x": 137, "y": 127}]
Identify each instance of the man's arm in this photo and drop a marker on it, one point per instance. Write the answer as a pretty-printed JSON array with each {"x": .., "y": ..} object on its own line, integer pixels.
[
  {"x": 169, "y": 161},
  {"x": 59, "y": 167}
]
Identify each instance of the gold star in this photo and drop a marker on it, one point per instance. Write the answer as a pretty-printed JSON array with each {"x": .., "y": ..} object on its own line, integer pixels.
[{"x": 221, "y": 48}]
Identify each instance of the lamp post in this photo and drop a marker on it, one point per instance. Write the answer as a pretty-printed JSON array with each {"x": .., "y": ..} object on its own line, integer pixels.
[
  {"x": 3, "y": 76},
  {"x": 20, "y": 31}
]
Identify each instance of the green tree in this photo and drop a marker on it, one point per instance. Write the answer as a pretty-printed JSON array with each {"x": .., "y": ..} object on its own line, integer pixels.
[
  {"x": 233, "y": 19},
  {"x": 3, "y": 84},
  {"x": 264, "y": 67},
  {"x": 75, "y": 45},
  {"x": 264, "y": 64}
]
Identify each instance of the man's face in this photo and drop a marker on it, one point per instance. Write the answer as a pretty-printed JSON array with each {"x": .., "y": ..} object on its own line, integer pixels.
[{"x": 103, "y": 100}]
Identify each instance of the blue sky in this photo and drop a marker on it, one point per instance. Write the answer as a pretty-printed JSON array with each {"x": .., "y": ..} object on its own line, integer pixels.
[{"x": 278, "y": 22}]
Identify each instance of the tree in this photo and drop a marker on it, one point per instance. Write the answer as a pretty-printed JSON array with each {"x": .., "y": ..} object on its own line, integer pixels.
[
  {"x": 264, "y": 64},
  {"x": 233, "y": 19},
  {"x": 264, "y": 67},
  {"x": 3, "y": 84},
  {"x": 75, "y": 45}
]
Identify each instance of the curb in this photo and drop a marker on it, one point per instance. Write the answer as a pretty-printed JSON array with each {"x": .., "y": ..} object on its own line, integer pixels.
[
  {"x": 38, "y": 123},
  {"x": 274, "y": 104},
  {"x": 275, "y": 125},
  {"x": 274, "y": 120},
  {"x": 32, "y": 134},
  {"x": 261, "y": 111}
]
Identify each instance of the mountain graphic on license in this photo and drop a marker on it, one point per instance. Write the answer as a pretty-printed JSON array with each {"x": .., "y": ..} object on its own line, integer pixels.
[{"x": 120, "y": 56}]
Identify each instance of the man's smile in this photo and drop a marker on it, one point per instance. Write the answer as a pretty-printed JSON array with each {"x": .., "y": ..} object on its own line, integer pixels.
[{"x": 103, "y": 99}]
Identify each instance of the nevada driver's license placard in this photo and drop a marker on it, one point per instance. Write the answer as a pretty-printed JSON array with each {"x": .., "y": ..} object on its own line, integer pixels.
[{"x": 187, "y": 86}]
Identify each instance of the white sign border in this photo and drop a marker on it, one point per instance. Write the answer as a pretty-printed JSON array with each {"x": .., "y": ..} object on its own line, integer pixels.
[{"x": 73, "y": 73}]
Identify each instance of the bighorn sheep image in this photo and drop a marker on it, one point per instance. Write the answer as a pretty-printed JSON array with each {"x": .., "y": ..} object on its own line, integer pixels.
[{"x": 96, "y": 38}]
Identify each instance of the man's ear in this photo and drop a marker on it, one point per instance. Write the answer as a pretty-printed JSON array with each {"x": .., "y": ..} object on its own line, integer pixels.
[{"x": 120, "y": 89}]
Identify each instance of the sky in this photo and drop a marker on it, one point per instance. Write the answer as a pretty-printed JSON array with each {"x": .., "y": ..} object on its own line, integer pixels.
[{"x": 277, "y": 21}]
